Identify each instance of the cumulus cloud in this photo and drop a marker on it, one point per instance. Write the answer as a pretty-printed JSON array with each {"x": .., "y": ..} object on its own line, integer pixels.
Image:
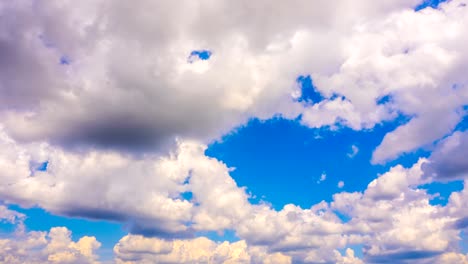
[
  {"x": 101, "y": 90},
  {"x": 391, "y": 218},
  {"x": 127, "y": 84},
  {"x": 397, "y": 219},
  {"x": 448, "y": 161},
  {"x": 340, "y": 184},
  {"x": 10, "y": 216},
  {"x": 138, "y": 249},
  {"x": 150, "y": 202},
  {"x": 54, "y": 246}
]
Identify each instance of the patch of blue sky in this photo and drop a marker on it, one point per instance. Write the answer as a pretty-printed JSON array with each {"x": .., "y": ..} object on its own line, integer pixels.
[
  {"x": 42, "y": 166},
  {"x": 38, "y": 166},
  {"x": 281, "y": 161},
  {"x": 357, "y": 248},
  {"x": 187, "y": 196},
  {"x": 384, "y": 99},
  {"x": 463, "y": 125},
  {"x": 442, "y": 191},
  {"x": 344, "y": 218},
  {"x": 199, "y": 55},
  {"x": 309, "y": 93},
  {"x": 428, "y": 3},
  {"x": 6, "y": 228},
  {"x": 226, "y": 235},
  {"x": 464, "y": 241}
]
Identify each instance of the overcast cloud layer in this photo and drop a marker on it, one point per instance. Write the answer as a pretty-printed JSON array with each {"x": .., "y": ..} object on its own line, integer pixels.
[{"x": 109, "y": 95}]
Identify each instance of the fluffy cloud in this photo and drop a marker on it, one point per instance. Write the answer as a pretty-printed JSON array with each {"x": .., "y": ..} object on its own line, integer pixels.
[
  {"x": 10, "y": 216},
  {"x": 150, "y": 202},
  {"x": 396, "y": 220},
  {"x": 138, "y": 249},
  {"x": 101, "y": 90},
  {"x": 127, "y": 83},
  {"x": 55, "y": 246},
  {"x": 448, "y": 161},
  {"x": 391, "y": 218}
]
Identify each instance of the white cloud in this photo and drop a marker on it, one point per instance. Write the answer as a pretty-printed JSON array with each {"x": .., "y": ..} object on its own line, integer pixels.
[
  {"x": 323, "y": 177},
  {"x": 142, "y": 64},
  {"x": 10, "y": 216},
  {"x": 340, "y": 184},
  {"x": 106, "y": 122},
  {"x": 451, "y": 257},
  {"x": 390, "y": 204},
  {"x": 151, "y": 200},
  {"x": 397, "y": 219},
  {"x": 448, "y": 161},
  {"x": 55, "y": 246},
  {"x": 354, "y": 151},
  {"x": 138, "y": 249}
]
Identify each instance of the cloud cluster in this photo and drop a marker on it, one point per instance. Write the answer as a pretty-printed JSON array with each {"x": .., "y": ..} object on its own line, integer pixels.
[
  {"x": 138, "y": 249},
  {"x": 448, "y": 160},
  {"x": 55, "y": 246},
  {"x": 147, "y": 194},
  {"x": 392, "y": 218},
  {"x": 114, "y": 75},
  {"x": 10, "y": 216},
  {"x": 93, "y": 95}
]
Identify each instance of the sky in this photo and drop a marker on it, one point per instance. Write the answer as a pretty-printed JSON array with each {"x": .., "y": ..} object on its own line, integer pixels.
[{"x": 243, "y": 131}]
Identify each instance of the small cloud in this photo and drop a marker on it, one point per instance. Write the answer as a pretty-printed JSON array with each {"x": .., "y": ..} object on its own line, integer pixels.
[
  {"x": 323, "y": 177},
  {"x": 340, "y": 184},
  {"x": 354, "y": 151}
]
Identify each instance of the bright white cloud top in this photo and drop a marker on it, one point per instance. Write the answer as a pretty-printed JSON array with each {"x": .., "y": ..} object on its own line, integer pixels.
[{"x": 112, "y": 97}]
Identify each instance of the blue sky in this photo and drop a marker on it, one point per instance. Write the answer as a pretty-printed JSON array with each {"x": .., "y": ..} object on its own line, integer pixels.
[{"x": 236, "y": 132}]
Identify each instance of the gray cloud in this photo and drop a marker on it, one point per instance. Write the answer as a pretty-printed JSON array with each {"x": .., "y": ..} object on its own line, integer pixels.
[{"x": 449, "y": 159}]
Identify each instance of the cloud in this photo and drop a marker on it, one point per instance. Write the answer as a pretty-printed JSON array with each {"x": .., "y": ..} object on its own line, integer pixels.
[
  {"x": 10, "y": 216},
  {"x": 340, "y": 184},
  {"x": 453, "y": 258},
  {"x": 458, "y": 207},
  {"x": 128, "y": 86},
  {"x": 348, "y": 258},
  {"x": 54, "y": 246},
  {"x": 448, "y": 160},
  {"x": 127, "y": 119},
  {"x": 323, "y": 177},
  {"x": 151, "y": 202},
  {"x": 389, "y": 207},
  {"x": 138, "y": 249},
  {"x": 396, "y": 219},
  {"x": 354, "y": 151}
]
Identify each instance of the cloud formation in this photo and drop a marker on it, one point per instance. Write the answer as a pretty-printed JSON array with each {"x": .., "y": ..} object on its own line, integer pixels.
[
  {"x": 448, "y": 161},
  {"x": 109, "y": 95},
  {"x": 54, "y": 246},
  {"x": 127, "y": 84},
  {"x": 138, "y": 249}
]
